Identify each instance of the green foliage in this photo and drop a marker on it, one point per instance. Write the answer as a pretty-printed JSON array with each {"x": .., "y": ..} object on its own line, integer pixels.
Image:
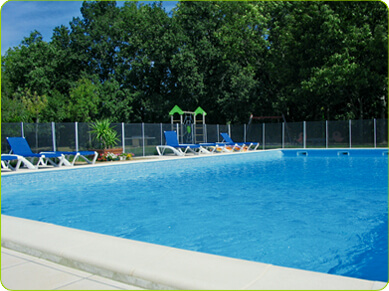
[
  {"x": 323, "y": 59},
  {"x": 34, "y": 104},
  {"x": 23, "y": 106},
  {"x": 84, "y": 101},
  {"x": 307, "y": 60},
  {"x": 13, "y": 110},
  {"x": 103, "y": 132}
]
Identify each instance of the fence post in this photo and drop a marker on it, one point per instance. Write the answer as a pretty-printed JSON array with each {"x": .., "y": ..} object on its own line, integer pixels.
[
  {"x": 178, "y": 133},
  {"x": 375, "y": 133},
  {"x": 123, "y": 138},
  {"x": 217, "y": 132},
  {"x": 193, "y": 133},
  {"x": 229, "y": 129},
  {"x": 76, "y": 135},
  {"x": 326, "y": 134},
  {"x": 263, "y": 135},
  {"x": 205, "y": 133},
  {"x": 53, "y": 136},
  {"x": 283, "y": 135},
  {"x": 304, "y": 134},
  {"x": 349, "y": 132},
  {"x": 22, "y": 128},
  {"x": 161, "y": 133},
  {"x": 143, "y": 138},
  {"x": 244, "y": 133}
]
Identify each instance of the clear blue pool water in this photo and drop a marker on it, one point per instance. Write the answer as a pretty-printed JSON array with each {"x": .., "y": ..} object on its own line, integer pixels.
[{"x": 316, "y": 210}]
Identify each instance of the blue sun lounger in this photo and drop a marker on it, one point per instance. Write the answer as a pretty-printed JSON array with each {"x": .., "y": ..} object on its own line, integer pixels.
[
  {"x": 6, "y": 159},
  {"x": 177, "y": 148},
  {"x": 19, "y": 146},
  {"x": 239, "y": 145}
]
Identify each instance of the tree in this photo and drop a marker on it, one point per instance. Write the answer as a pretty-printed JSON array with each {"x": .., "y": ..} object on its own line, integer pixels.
[
  {"x": 321, "y": 60},
  {"x": 34, "y": 104},
  {"x": 307, "y": 60},
  {"x": 221, "y": 50},
  {"x": 147, "y": 45},
  {"x": 95, "y": 39},
  {"x": 84, "y": 101}
]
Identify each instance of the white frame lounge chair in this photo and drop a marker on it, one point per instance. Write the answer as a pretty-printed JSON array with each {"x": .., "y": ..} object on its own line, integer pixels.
[
  {"x": 177, "y": 148},
  {"x": 19, "y": 146},
  {"x": 238, "y": 145},
  {"x": 6, "y": 159},
  {"x": 77, "y": 154},
  {"x": 214, "y": 147}
]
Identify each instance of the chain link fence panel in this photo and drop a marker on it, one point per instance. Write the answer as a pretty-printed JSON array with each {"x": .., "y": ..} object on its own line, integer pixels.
[
  {"x": 65, "y": 136},
  {"x": 315, "y": 134},
  {"x": 9, "y": 130},
  {"x": 338, "y": 134},
  {"x": 294, "y": 135},
  {"x": 142, "y": 138},
  {"x": 382, "y": 133}
]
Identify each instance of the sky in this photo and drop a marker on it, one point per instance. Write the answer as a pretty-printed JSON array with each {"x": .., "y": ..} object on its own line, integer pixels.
[{"x": 20, "y": 18}]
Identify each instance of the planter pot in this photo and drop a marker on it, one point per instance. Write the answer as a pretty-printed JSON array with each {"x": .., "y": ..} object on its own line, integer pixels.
[{"x": 116, "y": 151}]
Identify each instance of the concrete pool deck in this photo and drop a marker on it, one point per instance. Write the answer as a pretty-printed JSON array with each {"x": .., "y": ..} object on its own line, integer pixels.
[
  {"x": 148, "y": 266},
  {"x": 153, "y": 266},
  {"x": 24, "y": 272}
]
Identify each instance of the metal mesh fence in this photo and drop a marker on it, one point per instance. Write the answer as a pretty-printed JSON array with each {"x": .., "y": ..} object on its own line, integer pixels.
[
  {"x": 152, "y": 138},
  {"x": 133, "y": 139},
  {"x": 273, "y": 135},
  {"x": 212, "y": 132},
  {"x": 223, "y": 128},
  {"x": 381, "y": 133},
  {"x": 142, "y": 138},
  {"x": 315, "y": 134},
  {"x": 238, "y": 132},
  {"x": 338, "y": 134},
  {"x": 362, "y": 133},
  {"x": 86, "y": 140},
  {"x": 255, "y": 134},
  {"x": 39, "y": 136},
  {"x": 9, "y": 130},
  {"x": 294, "y": 135},
  {"x": 118, "y": 128},
  {"x": 65, "y": 134}
]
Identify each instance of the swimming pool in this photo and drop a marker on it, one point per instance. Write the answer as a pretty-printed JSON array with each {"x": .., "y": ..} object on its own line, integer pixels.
[{"x": 316, "y": 210}]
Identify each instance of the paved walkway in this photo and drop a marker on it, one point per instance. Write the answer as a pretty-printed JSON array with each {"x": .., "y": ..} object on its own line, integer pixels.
[{"x": 24, "y": 272}]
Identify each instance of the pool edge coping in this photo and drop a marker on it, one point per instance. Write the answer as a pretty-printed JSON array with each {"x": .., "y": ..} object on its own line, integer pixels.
[
  {"x": 154, "y": 266},
  {"x": 127, "y": 162},
  {"x": 172, "y": 157}
]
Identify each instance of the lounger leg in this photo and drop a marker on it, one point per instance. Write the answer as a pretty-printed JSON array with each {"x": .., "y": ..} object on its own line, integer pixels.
[
  {"x": 63, "y": 161},
  {"x": 161, "y": 150},
  {"x": 193, "y": 151},
  {"x": 75, "y": 158},
  {"x": 236, "y": 147},
  {"x": 7, "y": 165},
  {"x": 86, "y": 159},
  {"x": 41, "y": 162},
  {"x": 19, "y": 162},
  {"x": 204, "y": 150},
  {"x": 27, "y": 163},
  {"x": 95, "y": 158}
]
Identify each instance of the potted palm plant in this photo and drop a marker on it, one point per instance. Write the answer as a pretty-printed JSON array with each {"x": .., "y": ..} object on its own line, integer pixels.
[{"x": 106, "y": 136}]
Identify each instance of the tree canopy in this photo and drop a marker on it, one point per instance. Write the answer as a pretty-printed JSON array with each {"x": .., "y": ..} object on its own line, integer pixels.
[{"x": 306, "y": 60}]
